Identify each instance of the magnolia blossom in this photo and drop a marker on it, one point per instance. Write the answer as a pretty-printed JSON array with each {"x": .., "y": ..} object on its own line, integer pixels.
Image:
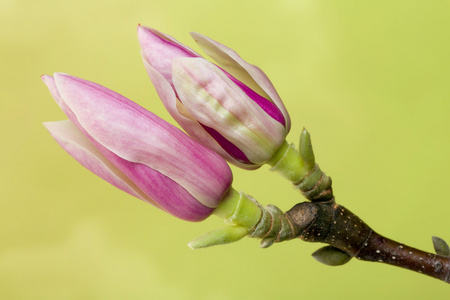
[
  {"x": 232, "y": 108},
  {"x": 135, "y": 150}
]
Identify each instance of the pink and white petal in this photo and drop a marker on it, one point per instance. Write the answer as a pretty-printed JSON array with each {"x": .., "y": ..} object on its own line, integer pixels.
[
  {"x": 183, "y": 117},
  {"x": 169, "y": 196},
  {"x": 215, "y": 101},
  {"x": 251, "y": 75},
  {"x": 72, "y": 140},
  {"x": 138, "y": 136},
  {"x": 160, "y": 49},
  {"x": 51, "y": 85}
]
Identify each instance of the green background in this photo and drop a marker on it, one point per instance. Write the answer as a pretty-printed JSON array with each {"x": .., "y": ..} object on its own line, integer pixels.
[{"x": 368, "y": 79}]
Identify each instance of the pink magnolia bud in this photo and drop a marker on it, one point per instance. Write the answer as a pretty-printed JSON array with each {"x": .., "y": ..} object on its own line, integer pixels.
[
  {"x": 135, "y": 150},
  {"x": 233, "y": 109}
]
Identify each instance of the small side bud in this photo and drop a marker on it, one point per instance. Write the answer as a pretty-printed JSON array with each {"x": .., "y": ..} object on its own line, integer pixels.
[
  {"x": 440, "y": 246},
  {"x": 331, "y": 256},
  {"x": 306, "y": 150},
  {"x": 226, "y": 235},
  {"x": 267, "y": 242}
]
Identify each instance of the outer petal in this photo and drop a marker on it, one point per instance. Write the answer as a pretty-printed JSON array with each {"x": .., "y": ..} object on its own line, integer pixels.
[
  {"x": 71, "y": 139},
  {"x": 251, "y": 75},
  {"x": 86, "y": 153},
  {"x": 215, "y": 101},
  {"x": 134, "y": 134},
  {"x": 160, "y": 49},
  {"x": 51, "y": 85},
  {"x": 183, "y": 117}
]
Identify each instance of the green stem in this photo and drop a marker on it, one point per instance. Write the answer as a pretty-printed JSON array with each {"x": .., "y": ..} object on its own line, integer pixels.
[
  {"x": 245, "y": 216},
  {"x": 240, "y": 209},
  {"x": 348, "y": 236},
  {"x": 288, "y": 163},
  {"x": 299, "y": 167},
  {"x": 228, "y": 205},
  {"x": 241, "y": 214}
]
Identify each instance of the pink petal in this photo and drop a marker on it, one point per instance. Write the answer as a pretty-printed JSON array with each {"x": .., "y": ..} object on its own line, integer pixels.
[
  {"x": 160, "y": 49},
  {"x": 51, "y": 85},
  {"x": 71, "y": 139},
  {"x": 141, "y": 138},
  {"x": 215, "y": 101},
  {"x": 182, "y": 116},
  {"x": 251, "y": 75},
  {"x": 169, "y": 195}
]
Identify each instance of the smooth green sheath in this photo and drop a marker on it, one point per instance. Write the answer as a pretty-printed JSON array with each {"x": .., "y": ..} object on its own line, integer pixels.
[
  {"x": 238, "y": 208},
  {"x": 228, "y": 204},
  {"x": 301, "y": 169},
  {"x": 240, "y": 212},
  {"x": 288, "y": 162},
  {"x": 247, "y": 213}
]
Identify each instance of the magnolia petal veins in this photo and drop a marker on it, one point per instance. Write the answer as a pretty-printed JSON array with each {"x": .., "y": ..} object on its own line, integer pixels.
[
  {"x": 77, "y": 145},
  {"x": 257, "y": 98},
  {"x": 183, "y": 177},
  {"x": 218, "y": 103},
  {"x": 251, "y": 75}
]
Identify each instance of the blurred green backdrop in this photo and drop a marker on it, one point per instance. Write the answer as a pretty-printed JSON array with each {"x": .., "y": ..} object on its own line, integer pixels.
[{"x": 369, "y": 79}]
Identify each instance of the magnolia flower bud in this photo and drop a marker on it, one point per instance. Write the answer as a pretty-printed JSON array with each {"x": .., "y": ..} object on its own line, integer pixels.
[
  {"x": 136, "y": 151},
  {"x": 233, "y": 109}
]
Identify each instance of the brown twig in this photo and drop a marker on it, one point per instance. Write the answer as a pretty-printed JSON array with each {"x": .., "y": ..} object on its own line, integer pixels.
[{"x": 330, "y": 223}]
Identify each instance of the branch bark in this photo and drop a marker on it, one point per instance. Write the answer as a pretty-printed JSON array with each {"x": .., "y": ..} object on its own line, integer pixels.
[{"x": 330, "y": 223}]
